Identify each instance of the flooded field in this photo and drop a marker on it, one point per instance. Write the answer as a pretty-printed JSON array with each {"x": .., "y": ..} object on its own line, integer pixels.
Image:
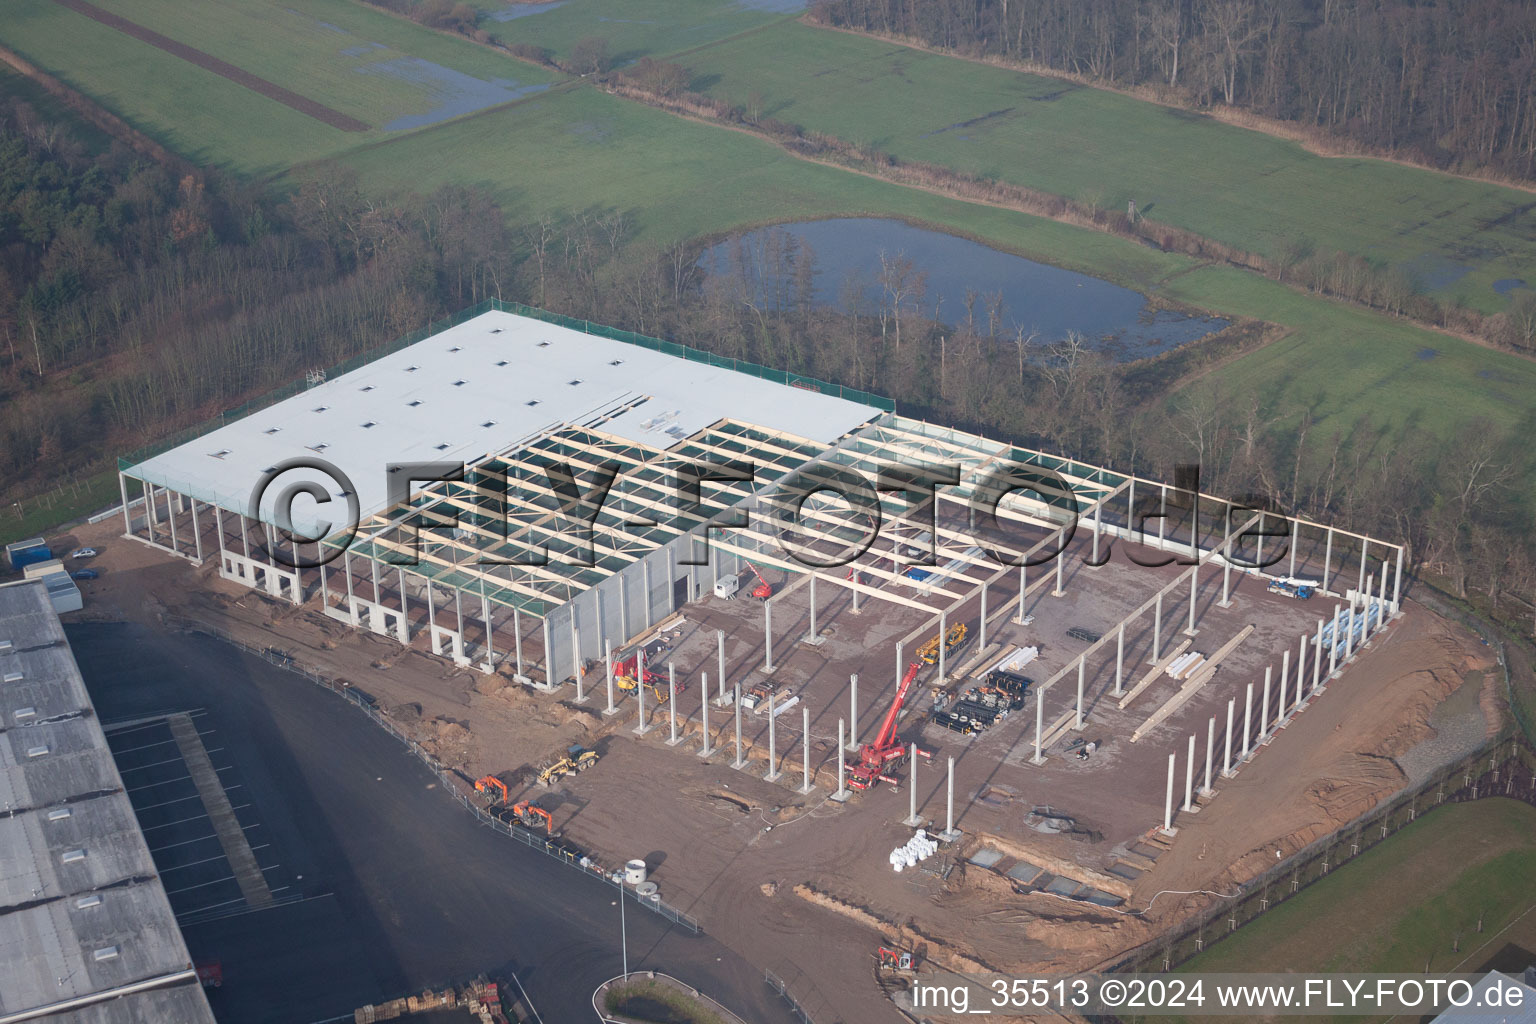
[{"x": 858, "y": 260}]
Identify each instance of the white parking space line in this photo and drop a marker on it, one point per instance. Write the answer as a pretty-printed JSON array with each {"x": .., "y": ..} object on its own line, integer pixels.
[
  {"x": 200, "y": 885},
  {"x": 187, "y": 842}
]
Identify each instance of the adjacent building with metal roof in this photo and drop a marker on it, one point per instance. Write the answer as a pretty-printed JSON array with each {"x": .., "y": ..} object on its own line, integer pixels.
[{"x": 86, "y": 930}]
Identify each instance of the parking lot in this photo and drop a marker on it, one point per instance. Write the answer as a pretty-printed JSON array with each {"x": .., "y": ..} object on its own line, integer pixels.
[{"x": 182, "y": 837}]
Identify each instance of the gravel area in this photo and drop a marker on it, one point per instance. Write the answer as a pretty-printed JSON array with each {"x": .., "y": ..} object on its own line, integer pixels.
[{"x": 1460, "y": 728}]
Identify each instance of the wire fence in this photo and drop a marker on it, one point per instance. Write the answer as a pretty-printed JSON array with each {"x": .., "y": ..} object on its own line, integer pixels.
[
  {"x": 777, "y": 984},
  {"x": 555, "y": 847},
  {"x": 1502, "y": 767}
]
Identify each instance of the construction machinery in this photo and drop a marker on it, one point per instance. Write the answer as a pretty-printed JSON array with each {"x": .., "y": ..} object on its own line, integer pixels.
[
  {"x": 627, "y": 676},
  {"x": 1292, "y": 586},
  {"x": 928, "y": 654},
  {"x": 492, "y": 788},
  {"x": 894, "y": 959},
  {"x": 577, "y": 759},
  {"x": 533, "y": 816},
  {"x": 887, "y": 752},
  {"x": 764, "y": 590},
  {"x": 758, "y": 696}
]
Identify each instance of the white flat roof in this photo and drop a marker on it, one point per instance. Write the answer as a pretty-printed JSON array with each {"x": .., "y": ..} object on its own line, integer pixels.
[{"x": 487, "y": 386}]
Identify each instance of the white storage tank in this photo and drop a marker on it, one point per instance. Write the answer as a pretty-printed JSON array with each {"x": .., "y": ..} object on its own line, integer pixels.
[{"x": 634, "y": 872}]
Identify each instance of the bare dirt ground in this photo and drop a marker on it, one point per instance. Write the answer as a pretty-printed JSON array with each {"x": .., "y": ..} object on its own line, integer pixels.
[{"x": 799, "y": 883}]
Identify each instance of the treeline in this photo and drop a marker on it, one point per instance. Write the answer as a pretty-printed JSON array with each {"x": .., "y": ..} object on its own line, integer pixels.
[
  {"x": 134, "y": 302},
  {"x": 1351, "y": 277},
  {"x": 1448, "y": 83}
]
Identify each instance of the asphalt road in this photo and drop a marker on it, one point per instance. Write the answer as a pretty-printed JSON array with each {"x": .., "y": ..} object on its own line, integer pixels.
[{"x": 391, "y": 885}]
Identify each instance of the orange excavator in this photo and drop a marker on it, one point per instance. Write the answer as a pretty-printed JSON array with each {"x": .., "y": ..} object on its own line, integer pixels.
[
  {"x": 493, "y": 789},
  {"x": 886, "y": 752},
  {"x": 533, "y": 816}
]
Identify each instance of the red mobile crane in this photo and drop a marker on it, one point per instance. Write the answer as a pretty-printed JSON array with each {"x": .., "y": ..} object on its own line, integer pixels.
[
  {"x": 886, "y": 752},
  {"x": 764, "y": 590},
  {"x": 626, "y": 671}
]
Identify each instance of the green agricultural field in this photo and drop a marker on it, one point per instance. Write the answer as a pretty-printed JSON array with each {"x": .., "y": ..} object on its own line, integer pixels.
[
  {"x": 1402, "y": 904},
  {"x": 387, "y": 73},
  {"x": 633, "y": 28},
  {"x": 1241, "y": 187},
  {"x": 678, "y": 180}
]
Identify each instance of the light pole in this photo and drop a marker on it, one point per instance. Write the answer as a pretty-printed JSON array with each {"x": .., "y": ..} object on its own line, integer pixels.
[{"x": 623, "y": 934}]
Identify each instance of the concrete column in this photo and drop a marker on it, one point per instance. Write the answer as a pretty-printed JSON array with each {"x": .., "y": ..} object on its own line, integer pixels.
[
  {"x": 949, "y": 834},
  {"x": 1098, "y": 510},
  {"x": 517, "y": 639},
  {"x": 1039, "y": 725},
  {"x": 773, "y": 743},
  {"x": 853, "y": 711},
  {"x": 1189, "y": 775},
  {"x": 1226, "y": 564},
  {"x": 625, "y": 632},
  {"x": 1226, "y": 764},
  {"x": 1023, "y": 586},
  {"x": 1210, "y": 753},
  {"x": 149, "y": 515},
  {"x": 1365, "y": 549},
  {"x": 1168, "y": 800},
  {"x": 842, "y": 789},
  {"x": 122, "y": 486},
  {"x": 768, "y": 636},
  {"x": 1157, "y": 630},
  {"x": 170, "y": 517},
  {"x": 704, "y": 750},
  {"x": 719, "y": 662},
  {"x": 672, "y": 702},
  {"x": 1194, "y": 599},
  {"x": 608, "y": 675},
  {"x": 1258, "y": 550},
  {"x": 1061, "y": 561},
  {"x": 913, "y": 821},
  {"x": 943, "y": 638},
  {"x": 1397, "y": 583},
  {"x": 1333, "y": 645},
  {"x": 981, "y": 644},
  {"x": 197, "y": 538},
  {"x": 245, "y": 543},
  {"x": 405, "y": 613},
  {"x": 325, "y": 594},
  {"x": 1247, "y": 723},
  {"x": 431, "y": 598},
  {"x": 1327, "y": 558},
  {"x": 576, "y": 658},
  {"x": 1285, "y": 675},
  {"x": 1349, "y": 632},
  {"x": 899, "y": 646},
  {"x": 641, "y": 725},
  {"x": 346, "y": 566},
  {"x": 814, "y": 634},
  {"x": 1380, "y": 616},
  {"x": 549, "y": 650},
  {"x": 1120, "y": 661},
  {"x": 1162, "y": 520},
  {"x": 739, "y": 763},
  {"x": 1293, "y": 542},
  {"x": 1317, "y": 658},
  {"x": 1264, "y": 707},
  {"x": 485, "y": 613},
  {"x": 458, "y": 609},
  {"x": 1082, "y": 667},
  {"x": 805, "y": 749},
  {"x": 1301, "y": 667}
]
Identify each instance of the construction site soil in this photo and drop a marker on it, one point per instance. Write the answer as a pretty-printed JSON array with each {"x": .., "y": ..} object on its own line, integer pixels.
[{"x": 800, "y": 884}]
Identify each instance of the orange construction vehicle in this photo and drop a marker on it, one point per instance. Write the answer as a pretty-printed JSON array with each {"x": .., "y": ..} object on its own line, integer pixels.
[
  {"x": 764, "y": 590},
  {"x": 886, "y": 752},
  {"x": 533, "y": 816},
  {"x": 492, "y": 788}
]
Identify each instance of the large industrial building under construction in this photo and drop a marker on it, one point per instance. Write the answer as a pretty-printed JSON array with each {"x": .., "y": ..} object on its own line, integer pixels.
[{"x": 602, "y": 490}]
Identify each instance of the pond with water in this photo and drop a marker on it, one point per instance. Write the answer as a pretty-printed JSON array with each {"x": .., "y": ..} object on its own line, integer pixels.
[{"x": 1040, "y": 299}]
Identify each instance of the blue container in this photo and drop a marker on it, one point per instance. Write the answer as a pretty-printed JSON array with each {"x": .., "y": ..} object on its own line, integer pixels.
[{"x": 27, "y": 552}]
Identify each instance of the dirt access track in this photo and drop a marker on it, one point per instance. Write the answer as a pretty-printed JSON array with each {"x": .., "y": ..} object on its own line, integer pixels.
[
  {"x": 208, "y": 62},
  {"x": 801, "y": 884}
]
